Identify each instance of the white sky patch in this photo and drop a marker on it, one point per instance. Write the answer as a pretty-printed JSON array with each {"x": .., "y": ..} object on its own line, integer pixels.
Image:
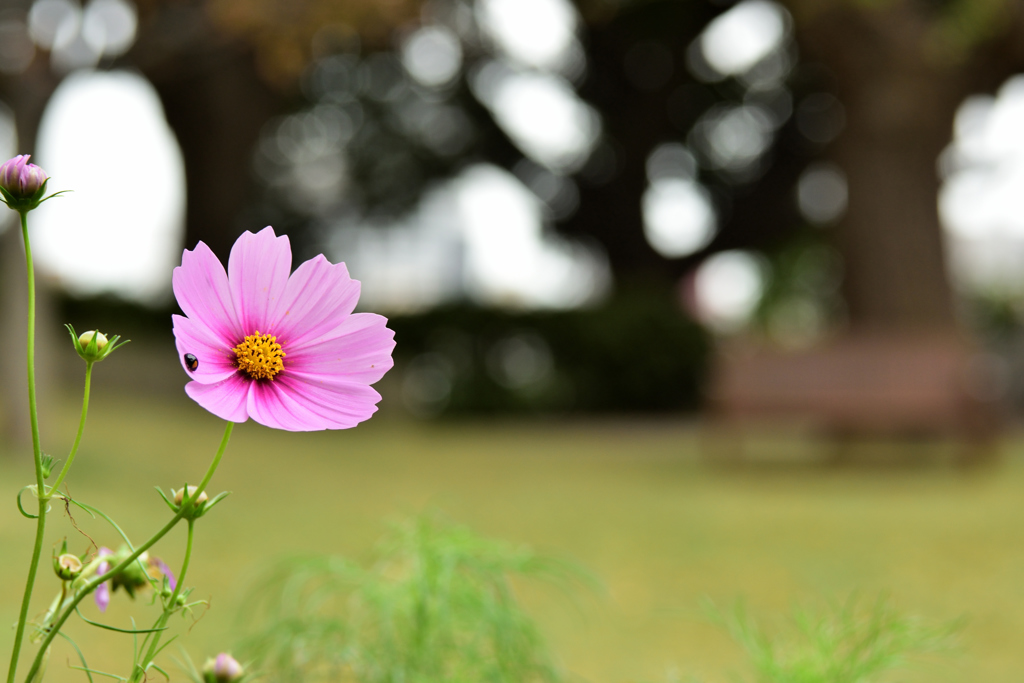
[
  {"x": 510, "y": 261},
  {"x": 734, "y": 137},
  {"x": 728, "y": 287},
  {"x": 8, "y": 133},
  {"x": 479, "y": 235},
  {"x": 535, "y": 33},
  {"x": 541, "y": 113},
  {"x": 741, "y": 37},
  {"x": 8, "y": 148},
  {"x": 432, "y": 55},
  {"x": 108, "y": 26},
  {"x": 678, "y": 216},
  {"x": 981, "y": 203},
  {"x": 53, "y": 23},
  {"x": 104, "y": 136},
  {"x": 410, "y": 265},
  {"x": 821, "y": 193}
]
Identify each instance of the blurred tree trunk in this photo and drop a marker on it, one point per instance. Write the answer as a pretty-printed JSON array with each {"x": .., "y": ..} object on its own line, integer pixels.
[
  {"x": 900, "y": 99},
  {"x": 216, "y": 103}
]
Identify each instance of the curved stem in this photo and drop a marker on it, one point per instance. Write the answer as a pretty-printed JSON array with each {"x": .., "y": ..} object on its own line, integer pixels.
[
  {"x": 78, "y": 436},
  {"x": 171, "y": 605},
  {"x": 186, "y": 507},
  {"x": 30, "y": 357}
]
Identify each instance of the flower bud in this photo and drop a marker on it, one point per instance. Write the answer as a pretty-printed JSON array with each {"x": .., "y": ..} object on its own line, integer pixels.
[
  {"x": 48, "y": 463},
  {"x": 21, "y": 179},
  {"x": 222, "y": 669},
  {"x": 180, "y": 495},
  {"x": 86, "y": 337},
  {"x": 93, "y": 345},
  {"x": 22, "y": 184},
  {"x": 67, "y": 566}
]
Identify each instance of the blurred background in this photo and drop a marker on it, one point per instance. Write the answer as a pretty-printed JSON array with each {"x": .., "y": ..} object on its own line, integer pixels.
[{"x": 675, "y": 233}]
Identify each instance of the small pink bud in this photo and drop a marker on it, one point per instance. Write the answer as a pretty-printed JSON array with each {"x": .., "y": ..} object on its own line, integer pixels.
[
  {"x": 21, "y": 179},
  {"x": 222, "y": 669}
]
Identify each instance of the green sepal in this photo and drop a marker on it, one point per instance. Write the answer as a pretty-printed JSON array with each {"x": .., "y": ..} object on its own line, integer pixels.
[
  {"x": 170, "y": 503},
  {"x": 26, "y": 204},
  {"x": 216, "y": 499},
  {"x": 49, "y": 463}
]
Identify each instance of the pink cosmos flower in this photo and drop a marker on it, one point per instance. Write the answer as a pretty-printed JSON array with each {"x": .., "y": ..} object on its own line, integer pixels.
[{"x": 282, "y": 348}]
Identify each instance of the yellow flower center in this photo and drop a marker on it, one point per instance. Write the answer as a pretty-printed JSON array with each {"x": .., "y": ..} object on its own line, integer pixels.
[{"x": 259, "y": 356}]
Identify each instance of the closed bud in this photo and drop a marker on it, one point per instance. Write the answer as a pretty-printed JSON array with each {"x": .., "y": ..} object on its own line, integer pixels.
[
  {"x": 93, "y": 345},
  {"x": 67, "y": 566},
  {"x": 222, "y": 669},
  {"x": 180, "y": 495},
  {"x": 21, "y": 179},
  {"x": 86, "y": 337},
  {"x": 22, "y": 184}
]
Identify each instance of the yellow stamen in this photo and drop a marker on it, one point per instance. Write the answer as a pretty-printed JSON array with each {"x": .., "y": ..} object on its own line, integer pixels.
[{"x": 259, "y": 356}]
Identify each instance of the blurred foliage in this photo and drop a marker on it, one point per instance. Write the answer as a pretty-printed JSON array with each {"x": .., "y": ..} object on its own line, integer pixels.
[
  {"x": 850, "y": 643},
  {"x": 287, "y": 35},
  {"x": 110, "y": 313},
  {"x": 636, "y": 352},
  {"x": 436, "y": 606},
  {"x": 801, "y": 299},
  {"x": 995, "y": 315}
]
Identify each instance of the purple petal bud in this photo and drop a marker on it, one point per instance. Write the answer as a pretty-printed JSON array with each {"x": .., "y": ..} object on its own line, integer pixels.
[
  {"x": 166, "y": 571},
  {"x": 21, "y": 179},
  {"x": 102, "y": 595},
  {"x": 223, "y": 669}
]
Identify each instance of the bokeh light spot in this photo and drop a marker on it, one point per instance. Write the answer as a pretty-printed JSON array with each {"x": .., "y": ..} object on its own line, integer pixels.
[{"x": 104, "y": 136}]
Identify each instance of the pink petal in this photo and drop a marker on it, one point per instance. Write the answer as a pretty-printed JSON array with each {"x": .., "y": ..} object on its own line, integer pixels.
[
  {"x": 360, "y": 350},
  {"x": 225, "y": 399},
  {"x": 201, "y": 288},
  {"x": 318, "y": 297},
  {"x": 270, "y": 405},
  {"x": 300, "y": 406},
  {"x": 340, "y": 403},
  {"x": 216, "y": 361},
  {"x": 102, "y": 596},
  {"x": 166, "y": 571},
  {"x": 258, "y": 273}
]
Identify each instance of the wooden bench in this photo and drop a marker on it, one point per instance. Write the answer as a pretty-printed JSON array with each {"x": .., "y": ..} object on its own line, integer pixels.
[{"x": 867, "y": 385}]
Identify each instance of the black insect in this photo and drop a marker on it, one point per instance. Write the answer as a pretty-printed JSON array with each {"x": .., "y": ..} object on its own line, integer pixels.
[{"x": 191, "y": 362}]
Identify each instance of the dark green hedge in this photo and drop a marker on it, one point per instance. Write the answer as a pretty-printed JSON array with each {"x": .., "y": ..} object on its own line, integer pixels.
[{"x": 633, "y": 354}]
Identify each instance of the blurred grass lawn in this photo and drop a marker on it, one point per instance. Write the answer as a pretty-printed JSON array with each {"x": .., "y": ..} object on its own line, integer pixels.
[{"x": 628, "y": 500}]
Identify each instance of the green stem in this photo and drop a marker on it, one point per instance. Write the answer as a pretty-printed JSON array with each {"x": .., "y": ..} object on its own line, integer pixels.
[
  {"x": 30, "y": 355},
  {"x": 186, "y": 507},
  {"x": 37, "y": 454},
  {"x": 19, "y": 635},
  {"x": 170, "y": 608},
  {"x": 78, "y": 436}
]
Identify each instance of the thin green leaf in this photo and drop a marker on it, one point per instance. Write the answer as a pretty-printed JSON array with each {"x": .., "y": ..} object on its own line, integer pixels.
[
  {"x": 81, "y": 657},
  {"x": 114, "y": 628}
]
